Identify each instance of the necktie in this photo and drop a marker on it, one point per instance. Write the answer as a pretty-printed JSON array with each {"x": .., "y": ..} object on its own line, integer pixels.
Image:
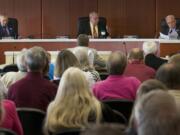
[{"x": 95, "y": 35}]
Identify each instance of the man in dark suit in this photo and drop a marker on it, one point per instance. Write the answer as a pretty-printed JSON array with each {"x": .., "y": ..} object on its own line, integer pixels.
[
  {"x": 94, "y": 28},
  {"x": 173, "y": 28},
  {"x": 6, "y": 31}
]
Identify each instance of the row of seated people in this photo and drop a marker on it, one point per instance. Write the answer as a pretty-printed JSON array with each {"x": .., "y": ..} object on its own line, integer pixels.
[{"x": 75, "y": 98}]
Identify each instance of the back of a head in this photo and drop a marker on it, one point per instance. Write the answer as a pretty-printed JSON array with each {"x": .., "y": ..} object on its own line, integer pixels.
[
  {"x": 156, "y": 113},
  {"x": 117, "y": 63},
  {"x": 73, "y": 104},
  {"x": 150, "y": 47},
  {"x": 106, "y": 129},
  {"x": 82, "y": 56},
  {"x": 20, "y": 60},
  {"x": 64, "y": 60},
  {"x": 83, "y": 40},
  {"x": 35, "y": 59},
  {"x": 169, "y": 74},
  {"x": 136, "y": 54},
  {"x": 148, "y": 86},
  {"x": 175, "y": 59}
]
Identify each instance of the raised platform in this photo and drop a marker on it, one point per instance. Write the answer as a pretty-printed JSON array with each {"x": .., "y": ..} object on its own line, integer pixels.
[{"x": 166, "y": 47}]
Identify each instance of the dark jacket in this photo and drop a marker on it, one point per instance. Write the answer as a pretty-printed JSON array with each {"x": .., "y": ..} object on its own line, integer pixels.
[
  {"x": 153, "y": 61},
  {"x": 86, "y": 29},
  {"x": 11, "y": 31}
]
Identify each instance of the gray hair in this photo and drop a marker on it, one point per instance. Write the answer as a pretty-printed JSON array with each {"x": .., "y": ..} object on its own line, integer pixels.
[
  {"x": 117, "y": 63},
  {"x": 150, "y": 47},
  {"x": 35, "y": 58},
  {"x": 156, "y": 113},
  {"x": 20, "y": 60}
]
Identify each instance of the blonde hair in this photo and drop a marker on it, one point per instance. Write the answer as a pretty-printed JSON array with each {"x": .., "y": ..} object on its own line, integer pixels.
[
  {"x": 82, "y": 56},
  {"x": 73, "y": 104}
]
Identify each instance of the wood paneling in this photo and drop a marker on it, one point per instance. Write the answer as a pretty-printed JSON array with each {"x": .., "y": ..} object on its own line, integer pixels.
[
  {"x": 140, "y": 18},
  {"x": 55, "y": 18},
  {"x": 83, "y": 8},
  {"x": 114, "y": 11},
  {"x": 52, "y": 18},
  {"x": 164, "y": 8},
  {"x": 28, "y": 13},
  {"x": 7, "y": 7}
]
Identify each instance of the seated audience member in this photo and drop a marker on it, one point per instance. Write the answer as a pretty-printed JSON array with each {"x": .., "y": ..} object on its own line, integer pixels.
[
  {"x": 106, "y": 129},
  {"x": 148, "y": 86},
  {"x": 46, "y": 68},
  {"x": 173, "y": 30},
  {"x": 117, "y": 85},
  {"x": 8, "y": 115},
  {"x": 145, "y": 88},
  {"x": 155, "y": 113},
  {"x": 51, "y": 67},
  {"x": 83, "y": 43},
  {"x": 94, "y": 28},
  {"x": 85, "y": 64},
  {"x": 150, "y": 50},
  {"x": 66, "y": 59},
  {"x": 75, "y": 106},
  {"x": 5, "y": 29},
  {"x": 136, "y": 66},
  {"x": 33, "y": 90},
  {"x": 11, "y": 77},
  {"x": 3, "y": 89},
  {"x": 175, "y": 59},
  {"x": 169, "y": 74}
]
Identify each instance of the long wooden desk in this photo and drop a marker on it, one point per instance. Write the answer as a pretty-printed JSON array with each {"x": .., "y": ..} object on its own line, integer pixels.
[{"x": 166, "y": 47}]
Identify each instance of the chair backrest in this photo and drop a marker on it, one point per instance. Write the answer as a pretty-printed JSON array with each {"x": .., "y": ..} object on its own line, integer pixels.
[
  {"x": 13, "y": 23},
  {"x": 164, "y": 25},
  {"x": 10, "y": 68},
  {"x": 4, "y": 131},
  {"x": 85, "y": 20},
  {"x": 70, "y": 131},
  {"x": 31, "y": 120},
  {"x": 123, "y": 106}
]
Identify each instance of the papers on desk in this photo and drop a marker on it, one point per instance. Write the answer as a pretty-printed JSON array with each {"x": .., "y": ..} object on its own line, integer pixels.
[
  {"x": 173, "y": 35},
  {"x": 162, "y": 36}
]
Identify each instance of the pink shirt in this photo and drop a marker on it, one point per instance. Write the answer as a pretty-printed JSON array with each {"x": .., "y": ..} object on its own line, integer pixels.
[
  {"x": 116, "y": 87},
  {"x": 10, "y": 119}
]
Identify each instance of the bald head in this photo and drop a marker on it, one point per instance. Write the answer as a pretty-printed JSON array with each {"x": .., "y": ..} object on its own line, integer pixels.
[
  {"x": 136, "y": 54},
  {"x": 171, "y": 21},
  {"x": 169, "y": 74},
  {"x": 156, "y": 110},
  {"x": 117, "y": 63},
  {"x": 94, "y": 18}
]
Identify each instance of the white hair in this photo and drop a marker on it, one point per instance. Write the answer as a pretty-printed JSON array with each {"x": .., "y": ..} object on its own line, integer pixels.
[
  {"x": 20, "y": 60},
  {"x": 150, "y": 47}
]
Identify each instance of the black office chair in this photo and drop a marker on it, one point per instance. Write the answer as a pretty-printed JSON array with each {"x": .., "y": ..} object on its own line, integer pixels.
[
  {"x": 4, "y": 131},
  {"x": 13, "y": 23},
  {"x": 84, "y": 22},
  {"x": 123, "y": 106},
  {"x": 164, "y": 25},
  {"x": 10, "y": 68},
  {"x": 71, "y": 131},
  {"x": 31, "y": 120}
]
